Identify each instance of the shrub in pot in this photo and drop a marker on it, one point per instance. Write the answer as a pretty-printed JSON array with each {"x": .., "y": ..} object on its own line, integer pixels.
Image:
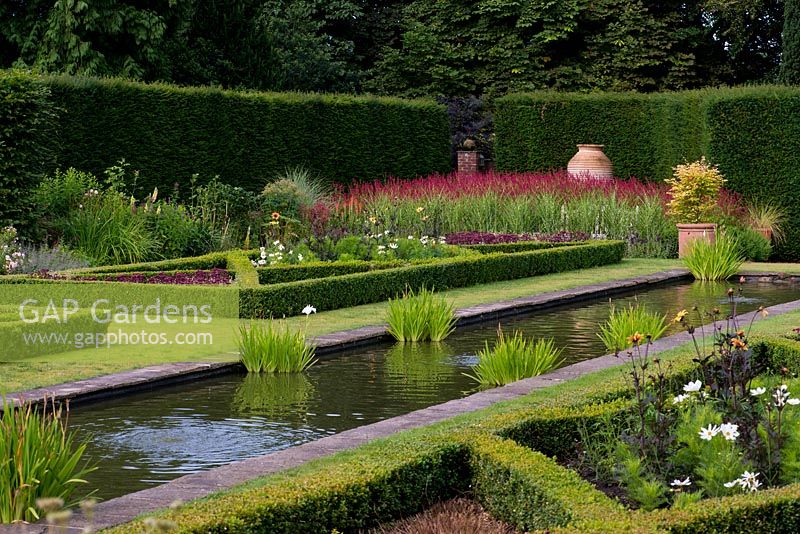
[{"x": 694, "y": 194}]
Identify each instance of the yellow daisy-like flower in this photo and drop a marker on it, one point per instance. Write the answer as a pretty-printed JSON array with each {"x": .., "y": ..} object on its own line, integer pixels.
[
  {"x": 680, "y": 316},
  {"x": 420, "y": 209},
  {"x": 635, "y": 339}
]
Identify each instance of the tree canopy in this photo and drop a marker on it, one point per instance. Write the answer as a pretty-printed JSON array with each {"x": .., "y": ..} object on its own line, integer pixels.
[{"x": 403, "y": 47}]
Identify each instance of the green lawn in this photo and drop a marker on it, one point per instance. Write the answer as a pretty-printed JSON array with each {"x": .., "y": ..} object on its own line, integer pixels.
[{"x": 76, "y": 365}]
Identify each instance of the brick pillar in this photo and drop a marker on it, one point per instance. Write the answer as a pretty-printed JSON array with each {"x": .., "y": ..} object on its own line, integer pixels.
[{"x": 468, "y": 161}]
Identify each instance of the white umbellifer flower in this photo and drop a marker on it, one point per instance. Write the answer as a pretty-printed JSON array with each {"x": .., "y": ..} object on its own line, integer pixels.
[
  {"x": 729, "y": 431},
  {"x": 678, "y": 483},
  {"x": 758, "y": 391},
  {"x": 708, "y": 432},
  {"x": 308, "y": 310},
  {"x": 679, "y": 399},
  {"x": 692, "y": 387}
]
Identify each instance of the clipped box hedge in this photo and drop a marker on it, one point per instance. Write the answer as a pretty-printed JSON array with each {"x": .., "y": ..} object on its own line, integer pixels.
[
  {"x": 519, "y": 246},
  {"x": 364, "y": 288},
  {"x": 752, "y": 133},
  {"x": 169, "y": 133}
]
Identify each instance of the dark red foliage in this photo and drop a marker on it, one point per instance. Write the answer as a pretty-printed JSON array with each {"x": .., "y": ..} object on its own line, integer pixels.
[
  {"x": 488, "y": 238},
  {"x": 211, "y": 277}
]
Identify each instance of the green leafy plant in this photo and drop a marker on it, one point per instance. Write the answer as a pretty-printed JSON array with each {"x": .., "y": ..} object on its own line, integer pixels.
[
  {"x": 752, "y": 245},
  {"x": 514, "y": 358},
  {"x": 624, "y": 323},
  {"x": 39, "y": 458},
  {"x": 107, "y": 230},
  {"x": 270, "y": 347},
  {"x": 714, "y": 261},
  {"x": 420, "y": 316},
  {"x": 694, "y": 191}
]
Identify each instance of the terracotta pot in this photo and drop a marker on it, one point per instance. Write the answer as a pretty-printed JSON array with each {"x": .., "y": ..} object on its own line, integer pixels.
[
  {"x": 689, "y": 232},
  {"x": 766, "y": 232},
  {"x": 591, "y": 162}
]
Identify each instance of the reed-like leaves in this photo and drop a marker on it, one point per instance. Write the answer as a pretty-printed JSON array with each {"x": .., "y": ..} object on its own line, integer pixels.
[
  {"x": 623, "y": 323},
  {"x": 420, "y": 316},
  {"x": 514, "y": 358},
  {"x": 714, "y": 261},
  {"x": 270, "y": 347},
  {"x": 39, "y": 458}
]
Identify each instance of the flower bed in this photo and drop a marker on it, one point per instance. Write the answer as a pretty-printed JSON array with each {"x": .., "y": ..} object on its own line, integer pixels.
[
  {"x": 200, "y": 277},
  {"x": 489, "y": 238}
]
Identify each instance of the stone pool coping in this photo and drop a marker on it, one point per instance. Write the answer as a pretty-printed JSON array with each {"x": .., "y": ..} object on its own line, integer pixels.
[
  {"x": 151, "y": 377},
  {"x": 126, "y": 508}
]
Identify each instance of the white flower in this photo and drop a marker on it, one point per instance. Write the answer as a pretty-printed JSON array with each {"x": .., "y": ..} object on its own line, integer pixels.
[
  {"x": 679, "y": 399},
  {"x": 681, "y": 483},
  {"x": 393, "y": 246},
  {"x": 733, "y": 483},
  {"x": 729, "y": 431},
  {"x": 281, "y": 247},
  {"x": 793, "y": 402},
  {"x": 708, "y": 432},
  {"x": 747, "y": 481},
  {"x": 692, "y": 387},
  {"x": 299, "y": 257},
  {"x": 758, "y": 391},
  {"x": 276, "y": 243},
  {"x": 262, "y": 262},
  {"x": 781, "y": 395},
  {"x": 386, "y": 232},
  {"x": 411, "y": 237},
  {"x": 381, "y": 247},
  {"x": 381, "y": 252},
  {"x": 308, "y": 310}
]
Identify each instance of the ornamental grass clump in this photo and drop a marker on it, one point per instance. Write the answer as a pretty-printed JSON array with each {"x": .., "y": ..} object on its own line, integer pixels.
[
  {"x": 623, "y": 323},
  {"x": 514, "y": 358},
  {"x": 270, "y": 347},
  {"x": 420, "y": 316},
  {"x": 714, "y": 261},
  {"x": 39, "y": 458}
]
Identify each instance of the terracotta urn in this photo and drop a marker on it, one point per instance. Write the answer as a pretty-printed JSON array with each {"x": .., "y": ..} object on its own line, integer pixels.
[
  {"x": 689, "y": 232},
  {"x": 591, "y": 162}
]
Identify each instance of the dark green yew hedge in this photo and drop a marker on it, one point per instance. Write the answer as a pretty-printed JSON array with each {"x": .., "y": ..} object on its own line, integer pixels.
[
  {"x": 169, "y": 133},
  {"x": 349, "y": 290},
  {"x": 752, "y": 133}
]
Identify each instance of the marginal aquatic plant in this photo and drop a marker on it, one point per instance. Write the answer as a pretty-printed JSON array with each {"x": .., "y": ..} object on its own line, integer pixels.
[
  {"x": 270, "y": 347},
  {"x": 420, "y": 316},
  {"x": 39, "y": 458},
  {"x": 714, "y": 261},
  {"x": 623, "y": 323},
  {"x": 514, "y": 358}
]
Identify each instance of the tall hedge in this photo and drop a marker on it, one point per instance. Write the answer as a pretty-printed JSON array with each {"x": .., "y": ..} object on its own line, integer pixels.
[
  {"x": 27, "y": 142},
  {"x": 753, "y": 134},
  {"x": 168, "y": 133}
]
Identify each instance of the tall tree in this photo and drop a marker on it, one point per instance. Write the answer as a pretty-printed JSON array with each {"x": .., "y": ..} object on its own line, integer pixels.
[{"x": 790, "y": 61}]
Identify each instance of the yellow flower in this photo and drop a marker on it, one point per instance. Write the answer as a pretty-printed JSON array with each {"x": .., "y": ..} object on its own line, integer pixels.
[
  {"x": 740, "y": 333},
  {"x": 373, "y": 220},
  {"x": 420, "y": 209},
  {"x": 635, "y": 339},
  {"x": 738, "y": 344},
  {"x": 680, "y": 316}
]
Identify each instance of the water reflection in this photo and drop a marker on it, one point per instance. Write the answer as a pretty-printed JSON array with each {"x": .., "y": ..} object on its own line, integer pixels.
[{"x": 273, "y": 395}]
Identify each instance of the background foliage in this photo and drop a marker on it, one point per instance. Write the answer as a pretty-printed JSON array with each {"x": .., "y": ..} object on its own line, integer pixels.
[{"x": 408, "y": 47}]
